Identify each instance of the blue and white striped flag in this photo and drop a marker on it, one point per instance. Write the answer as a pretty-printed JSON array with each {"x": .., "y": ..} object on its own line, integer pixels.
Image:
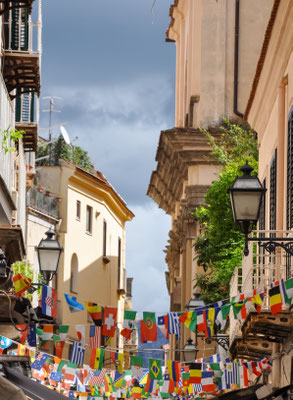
[
  {"x": 197, "y": 388},
  {"x": 77, "y": 353},
  {"x": 215, "y": 358},
  {"x": 173, "y": 324},
  {"x": 230, "y": 375}
]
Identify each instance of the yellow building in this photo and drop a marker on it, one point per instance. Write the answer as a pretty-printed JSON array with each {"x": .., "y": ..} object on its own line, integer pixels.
[
  {"x": 270, "y": 112},
  {"x": 91, "y": 230},
  {"x": 217, "y": 46}
]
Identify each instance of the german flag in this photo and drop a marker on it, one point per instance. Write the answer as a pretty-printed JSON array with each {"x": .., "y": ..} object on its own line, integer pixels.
[
  {"x": 275, "y": 299},
  {"x": 195, "y": 373}
]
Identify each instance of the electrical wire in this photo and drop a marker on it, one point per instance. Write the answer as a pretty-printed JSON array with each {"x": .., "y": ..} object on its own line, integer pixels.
[{"x": 153, "y": 14}]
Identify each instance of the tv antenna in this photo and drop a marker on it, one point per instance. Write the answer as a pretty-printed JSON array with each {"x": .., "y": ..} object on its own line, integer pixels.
[
  {"x": 65, "y": 135},
  {"x": 51, "y": 109}
]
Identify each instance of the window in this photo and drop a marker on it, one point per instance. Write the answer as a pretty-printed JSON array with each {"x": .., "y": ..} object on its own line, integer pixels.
[
  {"x": 119, "y": 262},
  {"x": 105, "y": 239},
  {"x": 77, "y": 209},
  {"x": 89, "y": 214},
  {"x": 273, "y": 192},
  {"x": 74, "y": 274},
  {"x": 290, "y": 172}
]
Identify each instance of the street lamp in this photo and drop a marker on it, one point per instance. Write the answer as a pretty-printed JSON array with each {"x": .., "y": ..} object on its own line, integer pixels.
[
  {"x": 246, "y": 194},
  {"x": 49, "y": 252},
  {"x": 190, "y": 351}
]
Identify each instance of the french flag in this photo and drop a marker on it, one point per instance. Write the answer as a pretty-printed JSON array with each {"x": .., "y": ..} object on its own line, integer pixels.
[{"x": 49, "y": 301}]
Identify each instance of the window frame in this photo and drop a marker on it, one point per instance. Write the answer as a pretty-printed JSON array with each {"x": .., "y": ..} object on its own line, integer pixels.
[{"x": 89, "y": 220}]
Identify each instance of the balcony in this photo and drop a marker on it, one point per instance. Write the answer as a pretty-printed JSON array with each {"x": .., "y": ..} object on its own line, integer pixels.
[
  {"x": 254, "y": 337},
  {"x": 40, "y": 202},
  {"x": 21, "y": 65},
  {"x": 7, "y": 5},
  {"x": 25, "y": 120}
]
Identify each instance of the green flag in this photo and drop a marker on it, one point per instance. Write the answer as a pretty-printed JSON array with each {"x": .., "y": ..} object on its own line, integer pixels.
[
  {"x": 128, "y": 314},
  {"x": 63, "y": 330},
  {"x": 155, "y": 371},
  {"x": 289, "y": 289},
  {"x": 225, "y": 310},
  {"x": 61, "y": 365}
]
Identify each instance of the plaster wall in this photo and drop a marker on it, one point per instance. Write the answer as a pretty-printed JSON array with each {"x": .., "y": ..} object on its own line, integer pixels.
[
  {"x": 202, "y": 174},
  {"x": 204, "y": 35}
]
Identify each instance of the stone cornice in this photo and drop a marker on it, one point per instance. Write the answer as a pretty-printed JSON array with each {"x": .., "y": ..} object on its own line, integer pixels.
[{"x": 178, "y": 149}]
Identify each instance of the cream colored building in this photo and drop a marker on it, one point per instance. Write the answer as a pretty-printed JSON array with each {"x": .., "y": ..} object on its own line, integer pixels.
[
  {"x": 217, "y": 47},
  {"x": 92, "y": 232},
  {"x": 270, "y": 112}
]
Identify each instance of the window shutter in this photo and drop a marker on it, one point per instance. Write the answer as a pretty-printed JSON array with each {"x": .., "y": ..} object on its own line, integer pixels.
[{"x": 290, "y": 172}]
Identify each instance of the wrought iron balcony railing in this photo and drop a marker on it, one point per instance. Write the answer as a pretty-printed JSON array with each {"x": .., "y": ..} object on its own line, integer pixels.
[{"x": 42, "y": 202}]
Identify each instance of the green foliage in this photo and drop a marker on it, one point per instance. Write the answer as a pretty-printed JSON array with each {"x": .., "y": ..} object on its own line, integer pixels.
[
  {"x": 219, "y": 248},
  {"x": 10, "y": 136},
  {"x": 59, "y": 149}
]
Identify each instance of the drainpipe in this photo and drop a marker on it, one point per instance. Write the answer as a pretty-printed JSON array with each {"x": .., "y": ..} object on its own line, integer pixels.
[{"x": 236, "y": 60}]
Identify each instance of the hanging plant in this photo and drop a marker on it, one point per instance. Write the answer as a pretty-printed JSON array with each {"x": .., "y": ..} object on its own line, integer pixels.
[{"x": 10, "y": 136}]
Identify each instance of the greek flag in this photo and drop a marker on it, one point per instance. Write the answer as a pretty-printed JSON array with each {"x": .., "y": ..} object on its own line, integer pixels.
[
  {"x": 173, "y": 324},
  {"x": 77, "y": 353}
]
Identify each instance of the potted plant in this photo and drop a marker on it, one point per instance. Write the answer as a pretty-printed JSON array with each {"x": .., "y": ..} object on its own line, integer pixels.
[
  {"x": 59, "y": 197},
  {"x": 48, "y": 191},
  {"x": 40, "y": 189}
]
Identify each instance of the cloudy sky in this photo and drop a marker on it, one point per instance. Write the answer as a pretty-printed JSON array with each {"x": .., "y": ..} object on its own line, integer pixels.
[{"x": 108, "y": 61}]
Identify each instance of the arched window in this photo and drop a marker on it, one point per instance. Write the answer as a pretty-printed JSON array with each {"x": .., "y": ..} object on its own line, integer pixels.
[{"x": 74, "y": 274}]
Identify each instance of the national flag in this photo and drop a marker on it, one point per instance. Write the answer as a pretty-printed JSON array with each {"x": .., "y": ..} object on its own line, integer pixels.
[
  {"x": 5, "y": 342},
  {"x": 83, "y": 396},
  {"x": 155, "y": 370},
  {"x": 47, "y": 334},
  {"x": 32, "y": 335},
  {"x": 77, "y": 353},
  {"x": 118, "y": 359},
  {"x": 128, "y": 323},
  {"x": 109, "y": 322},
  {"x": 97, "y": 358},
  {"x": 95, "y": 311},
  {"x": 69, "y": 371},
  {"x": 240, "y": 309},
  {"x": 21, "y": 284},
  {"x": 136, "y": 366},
  {"x": 98, "y": 377},
  {"x": 174, "y": 370},
  {"x": 22, "y": 332},
  {"x": 173, "y": 324},
  {"x": 257, "y": 299},
  {"x": 285, "y": 298},
  {"x": 242, "y": 376},
  {"x": 195, "y": 373},
  {"x": 55, "y": 376},
  {"x": 80, "y": 330},
  {"x": 207, "y": 381},
  {"x": 151, "y": 385},
  {"x": 21, "y": 350},
  {"x": 49, "y": 301},
  {"x": 231, "y": 374},
  {"x": 163, "y": 325},
  {"x": 209, "y": 315},
  {"x": 73, "y": 304},
  {"x": 255, "y": 368},
  {"x": 275, "y": 299},
  {"x": 217, "y": 369},
  {"x": 197, "y": 388},
  {"x": 59, "y": 346},
  {"x": 167, "y": 387},
  {"x": 189, "y": 319},
  {"x": 63, "y": 330},
  {"x": 95, "y": 336},
  {"x": 289, "y": 289},
  {"x": 40, "y": 361},
  {"x": 185, "y": 378},
  {"x": 215, "y": 358},
  {"x": 149, "y": 326},
  {"x": 202, "y": 322},
  {"x": 136, "y": 392}
]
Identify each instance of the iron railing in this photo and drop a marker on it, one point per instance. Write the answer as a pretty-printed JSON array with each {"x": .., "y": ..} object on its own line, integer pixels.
[{"x": 42, "y": 202}]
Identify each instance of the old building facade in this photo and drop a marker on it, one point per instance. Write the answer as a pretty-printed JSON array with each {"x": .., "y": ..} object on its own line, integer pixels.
[
  {"x": 270, "y": 112},
  {"x": 217, "y": 46}
]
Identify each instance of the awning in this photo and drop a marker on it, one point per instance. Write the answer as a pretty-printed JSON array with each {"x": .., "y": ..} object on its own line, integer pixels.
[{"x": 32, "y": 389}]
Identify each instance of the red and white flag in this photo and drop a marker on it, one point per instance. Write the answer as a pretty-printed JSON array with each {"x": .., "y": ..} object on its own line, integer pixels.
[
  {"x": 80, "y": 330},
  {"x": 95, "y": 336},
  {"x": 109, "y": 322},
  {"x": 49, "y": 301}
]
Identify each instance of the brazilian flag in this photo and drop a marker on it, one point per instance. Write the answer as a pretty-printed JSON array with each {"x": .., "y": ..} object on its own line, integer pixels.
[{"x": 155, "y": 370}]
